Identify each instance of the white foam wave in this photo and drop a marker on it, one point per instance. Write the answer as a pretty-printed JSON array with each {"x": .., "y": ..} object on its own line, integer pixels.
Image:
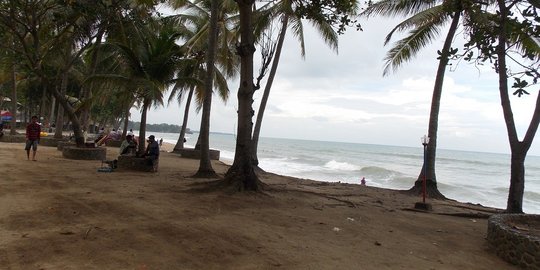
[{"x": 344, "y": 166}]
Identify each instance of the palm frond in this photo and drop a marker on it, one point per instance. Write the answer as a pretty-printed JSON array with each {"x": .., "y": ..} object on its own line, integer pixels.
[
  {"x": 408, "y": 47},
  {"x": 393, "y": 8},
  {"x": 432, "y": 16}
]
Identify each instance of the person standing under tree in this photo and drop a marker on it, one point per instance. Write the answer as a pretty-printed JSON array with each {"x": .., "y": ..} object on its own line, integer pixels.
[
  {"x": 33, "y": 131},
  {"x": 152, "y": 153}
]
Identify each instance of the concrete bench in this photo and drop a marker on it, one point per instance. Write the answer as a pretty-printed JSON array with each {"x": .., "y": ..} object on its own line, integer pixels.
[{"x": 134, "y": 163}]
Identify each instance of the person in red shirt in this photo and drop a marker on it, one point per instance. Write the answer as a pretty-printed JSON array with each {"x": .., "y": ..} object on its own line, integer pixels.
[{"x": 33, "y": 131}]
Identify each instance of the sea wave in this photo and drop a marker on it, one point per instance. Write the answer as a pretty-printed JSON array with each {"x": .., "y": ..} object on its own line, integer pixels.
[
  {"x": 343, "y": 166},
  {"x": 375, "y": 172}
]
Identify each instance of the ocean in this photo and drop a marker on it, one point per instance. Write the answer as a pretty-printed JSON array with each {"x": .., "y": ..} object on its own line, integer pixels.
[{"x": 474, "y": 177}]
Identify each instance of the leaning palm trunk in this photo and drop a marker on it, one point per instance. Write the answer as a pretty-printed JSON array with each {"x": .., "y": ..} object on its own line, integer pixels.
[
  {"x": 60, "y": 114},
  {"x": 431, "y": 179},
  {"x": 266, "y": 94},
  {"x": 518, "y": 148},
  {"x": 205, "y": 165},
  {"x": 64, "y": 106},
  {"x": 142, "y": 127},
  {"x": 180, "y": 143}
]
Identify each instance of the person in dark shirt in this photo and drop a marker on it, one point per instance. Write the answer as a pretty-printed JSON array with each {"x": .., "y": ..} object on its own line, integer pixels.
[
  {"x": 33, "y": 132},
  {"x": 152, "y": 152}
]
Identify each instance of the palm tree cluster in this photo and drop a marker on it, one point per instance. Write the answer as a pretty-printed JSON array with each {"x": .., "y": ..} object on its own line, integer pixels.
[{"x": 93, "y": 61}]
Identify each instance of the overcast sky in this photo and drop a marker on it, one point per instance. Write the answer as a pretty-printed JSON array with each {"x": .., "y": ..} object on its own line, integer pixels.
[{"x": 344, "y": 97}]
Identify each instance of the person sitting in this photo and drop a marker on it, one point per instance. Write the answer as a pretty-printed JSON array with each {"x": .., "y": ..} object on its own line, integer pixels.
[
  {"x": 128, "y": 146},
  {"x": 152, "y": 153}
]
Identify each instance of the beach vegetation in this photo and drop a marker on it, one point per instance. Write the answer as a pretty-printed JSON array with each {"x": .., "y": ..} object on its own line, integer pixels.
[
  {"x": 196, "y": 16},
  {"x": 284, "y": 12},
  {"x": 241, "y": 175},
  {"x": 507, "y": 39},
  {"x": 147, "y": 65},
  {"x": 424, "y": 22}
]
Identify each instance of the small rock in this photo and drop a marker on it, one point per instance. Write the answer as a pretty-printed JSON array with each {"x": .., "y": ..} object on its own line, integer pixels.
[{"x": 377, "y": 243}]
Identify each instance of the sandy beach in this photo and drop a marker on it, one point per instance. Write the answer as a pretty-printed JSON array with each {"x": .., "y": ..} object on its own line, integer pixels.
[{"x": 63, "y": 214}]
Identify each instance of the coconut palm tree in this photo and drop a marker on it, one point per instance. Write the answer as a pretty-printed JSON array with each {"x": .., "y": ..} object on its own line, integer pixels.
[
  {"x": 284, "y": 10},
  {"x": 148, "y": 66},
  {"x": 425, "y": 22},
  {"x": 196, "y": 15}
]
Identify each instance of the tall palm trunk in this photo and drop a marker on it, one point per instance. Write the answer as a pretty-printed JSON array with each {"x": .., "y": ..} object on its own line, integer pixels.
[
  {"x": 431, "y": 179},
  {"x": 13, "y": 130},
  {"x": 53, "y": 106},
  {"x": 518, "y": 148},
  {"x": 60, "y": 115},
  {"x": 142, "y": 128},
  {"x": 126, "y": 122},
  {"x": 241, "y": 175},
  {"x": 266, "y": 94},
  {"x": 180, "y": 143},
  {"x": 205, "y": 165}
]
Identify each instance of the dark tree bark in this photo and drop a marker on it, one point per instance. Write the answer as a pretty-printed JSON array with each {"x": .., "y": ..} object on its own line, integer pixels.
[
  {"x": 241, "y": 175},
  {"x": 142, "y": 128}
]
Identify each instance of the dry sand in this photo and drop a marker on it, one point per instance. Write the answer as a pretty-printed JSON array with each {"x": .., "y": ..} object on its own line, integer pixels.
[{"x": 64, "y": 214}]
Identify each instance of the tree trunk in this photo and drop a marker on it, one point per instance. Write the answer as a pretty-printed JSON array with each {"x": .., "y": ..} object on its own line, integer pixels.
[
  {"x": 180, "y": 143},
  {"x": 142, "y": 128},
  {"x": 65, "y": 106},
  {"x": 205, "y": 165},
  {"x": 13, "y": 130},
  {"x": 60, "y": 115},
  {"x": 241, "y": 175},
  {"x": 125, "y": 127},
  {"x": 429, "y": 165},
  {"x": 266, "y": 94},
  {"x": 519, "y": 149},
  {"x": 53, "y": 106},
  {"x": 43, "y": 102}
]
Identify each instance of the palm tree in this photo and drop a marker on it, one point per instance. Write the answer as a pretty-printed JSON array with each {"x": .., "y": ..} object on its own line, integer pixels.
[
  {"x": 148, "y": 66},
  {"x": 196, "y": 15},
  {"x": 428, "y": 17},
  {"x": 284, "y": 10}
]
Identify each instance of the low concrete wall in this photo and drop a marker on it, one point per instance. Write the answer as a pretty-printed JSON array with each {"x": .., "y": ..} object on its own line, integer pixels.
[
  {"x": 133, "y": 164},
  {"x": 513, "y": 243},
  {"x": 196, "y": 154},
  {"x": 49, "y": 141},
  {"x": 73, "y": 152},
  {"x": 12, "y": 138},
  {"x": 112, "y": 143},
  {"x": 61, "y": 144},
  {"x": 20, "y": 138}
]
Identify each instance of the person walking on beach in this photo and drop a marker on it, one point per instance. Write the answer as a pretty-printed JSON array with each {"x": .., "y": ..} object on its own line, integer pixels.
[{"x": 33, "y": 131}]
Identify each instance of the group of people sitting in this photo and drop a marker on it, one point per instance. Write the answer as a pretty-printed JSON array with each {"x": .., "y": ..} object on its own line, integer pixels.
[{"x": 129, "y": 148}]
